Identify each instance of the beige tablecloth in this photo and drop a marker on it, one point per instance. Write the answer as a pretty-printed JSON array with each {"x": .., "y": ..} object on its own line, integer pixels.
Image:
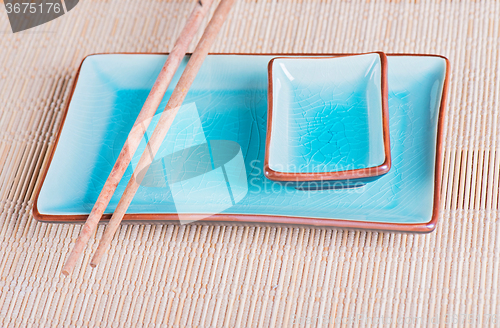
[{"x": 256, "y": 276}]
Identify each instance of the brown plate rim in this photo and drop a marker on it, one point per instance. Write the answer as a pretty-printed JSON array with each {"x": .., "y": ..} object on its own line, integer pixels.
[{"x": 168, "y": 218}]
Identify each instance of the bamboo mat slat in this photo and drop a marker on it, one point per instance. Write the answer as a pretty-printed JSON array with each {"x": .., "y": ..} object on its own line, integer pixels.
[{"x": 215, "y": 276}]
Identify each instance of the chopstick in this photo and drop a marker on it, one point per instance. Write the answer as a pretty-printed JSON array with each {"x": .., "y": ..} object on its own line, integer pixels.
[
  {"x": 164, "y": 123},
  {"x": 141, "y": 124}
]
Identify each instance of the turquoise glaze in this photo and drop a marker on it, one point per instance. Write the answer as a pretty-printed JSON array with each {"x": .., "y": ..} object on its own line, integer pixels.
[
  {"x": 327, "y": 114},
  {"x": 230, "y": 94}
]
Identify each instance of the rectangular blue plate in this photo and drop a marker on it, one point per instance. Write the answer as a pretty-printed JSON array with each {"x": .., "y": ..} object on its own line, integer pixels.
[{"x": 228, "y": 102}]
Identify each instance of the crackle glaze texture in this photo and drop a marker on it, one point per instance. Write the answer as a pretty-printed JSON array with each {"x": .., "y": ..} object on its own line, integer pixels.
[
  {"x": 327, "y": 114},
  {"x": 230, "y": 97}
]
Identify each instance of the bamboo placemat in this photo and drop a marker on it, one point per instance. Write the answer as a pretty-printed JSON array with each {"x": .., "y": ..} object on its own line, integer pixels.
[{"x": 256, "y": 276}]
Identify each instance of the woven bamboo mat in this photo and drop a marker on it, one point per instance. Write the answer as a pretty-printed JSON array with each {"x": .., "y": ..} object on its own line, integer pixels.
[{"x": 256, "y": 276}]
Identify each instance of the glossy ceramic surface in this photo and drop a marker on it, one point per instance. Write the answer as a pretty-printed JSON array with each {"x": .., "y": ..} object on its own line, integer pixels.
[
  {"x": 327, "y": 118},
  {"x": 230, "y": 98}
]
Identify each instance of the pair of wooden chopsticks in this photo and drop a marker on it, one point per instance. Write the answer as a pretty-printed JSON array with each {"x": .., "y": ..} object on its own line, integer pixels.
[{"x": 141, "y": 124}]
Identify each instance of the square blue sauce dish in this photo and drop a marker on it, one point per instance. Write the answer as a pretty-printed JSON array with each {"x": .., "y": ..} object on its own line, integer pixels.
[{"x": 328, "y": 121}]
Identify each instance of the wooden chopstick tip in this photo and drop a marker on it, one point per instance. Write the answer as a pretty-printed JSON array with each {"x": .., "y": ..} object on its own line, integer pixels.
[
  {"x": 68, "y": 266},
  {"x": 97, "y": 256}
]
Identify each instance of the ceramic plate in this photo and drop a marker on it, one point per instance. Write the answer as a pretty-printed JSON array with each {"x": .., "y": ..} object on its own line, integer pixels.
[
  {"x": 228, "y": 102},
  {"x": 328, "y": 118}
]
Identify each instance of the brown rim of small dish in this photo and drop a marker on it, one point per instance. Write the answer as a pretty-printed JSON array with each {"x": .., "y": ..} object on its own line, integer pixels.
[
  {"x": 372, "y": 171},
  {"x": 171, "y": 218}
]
